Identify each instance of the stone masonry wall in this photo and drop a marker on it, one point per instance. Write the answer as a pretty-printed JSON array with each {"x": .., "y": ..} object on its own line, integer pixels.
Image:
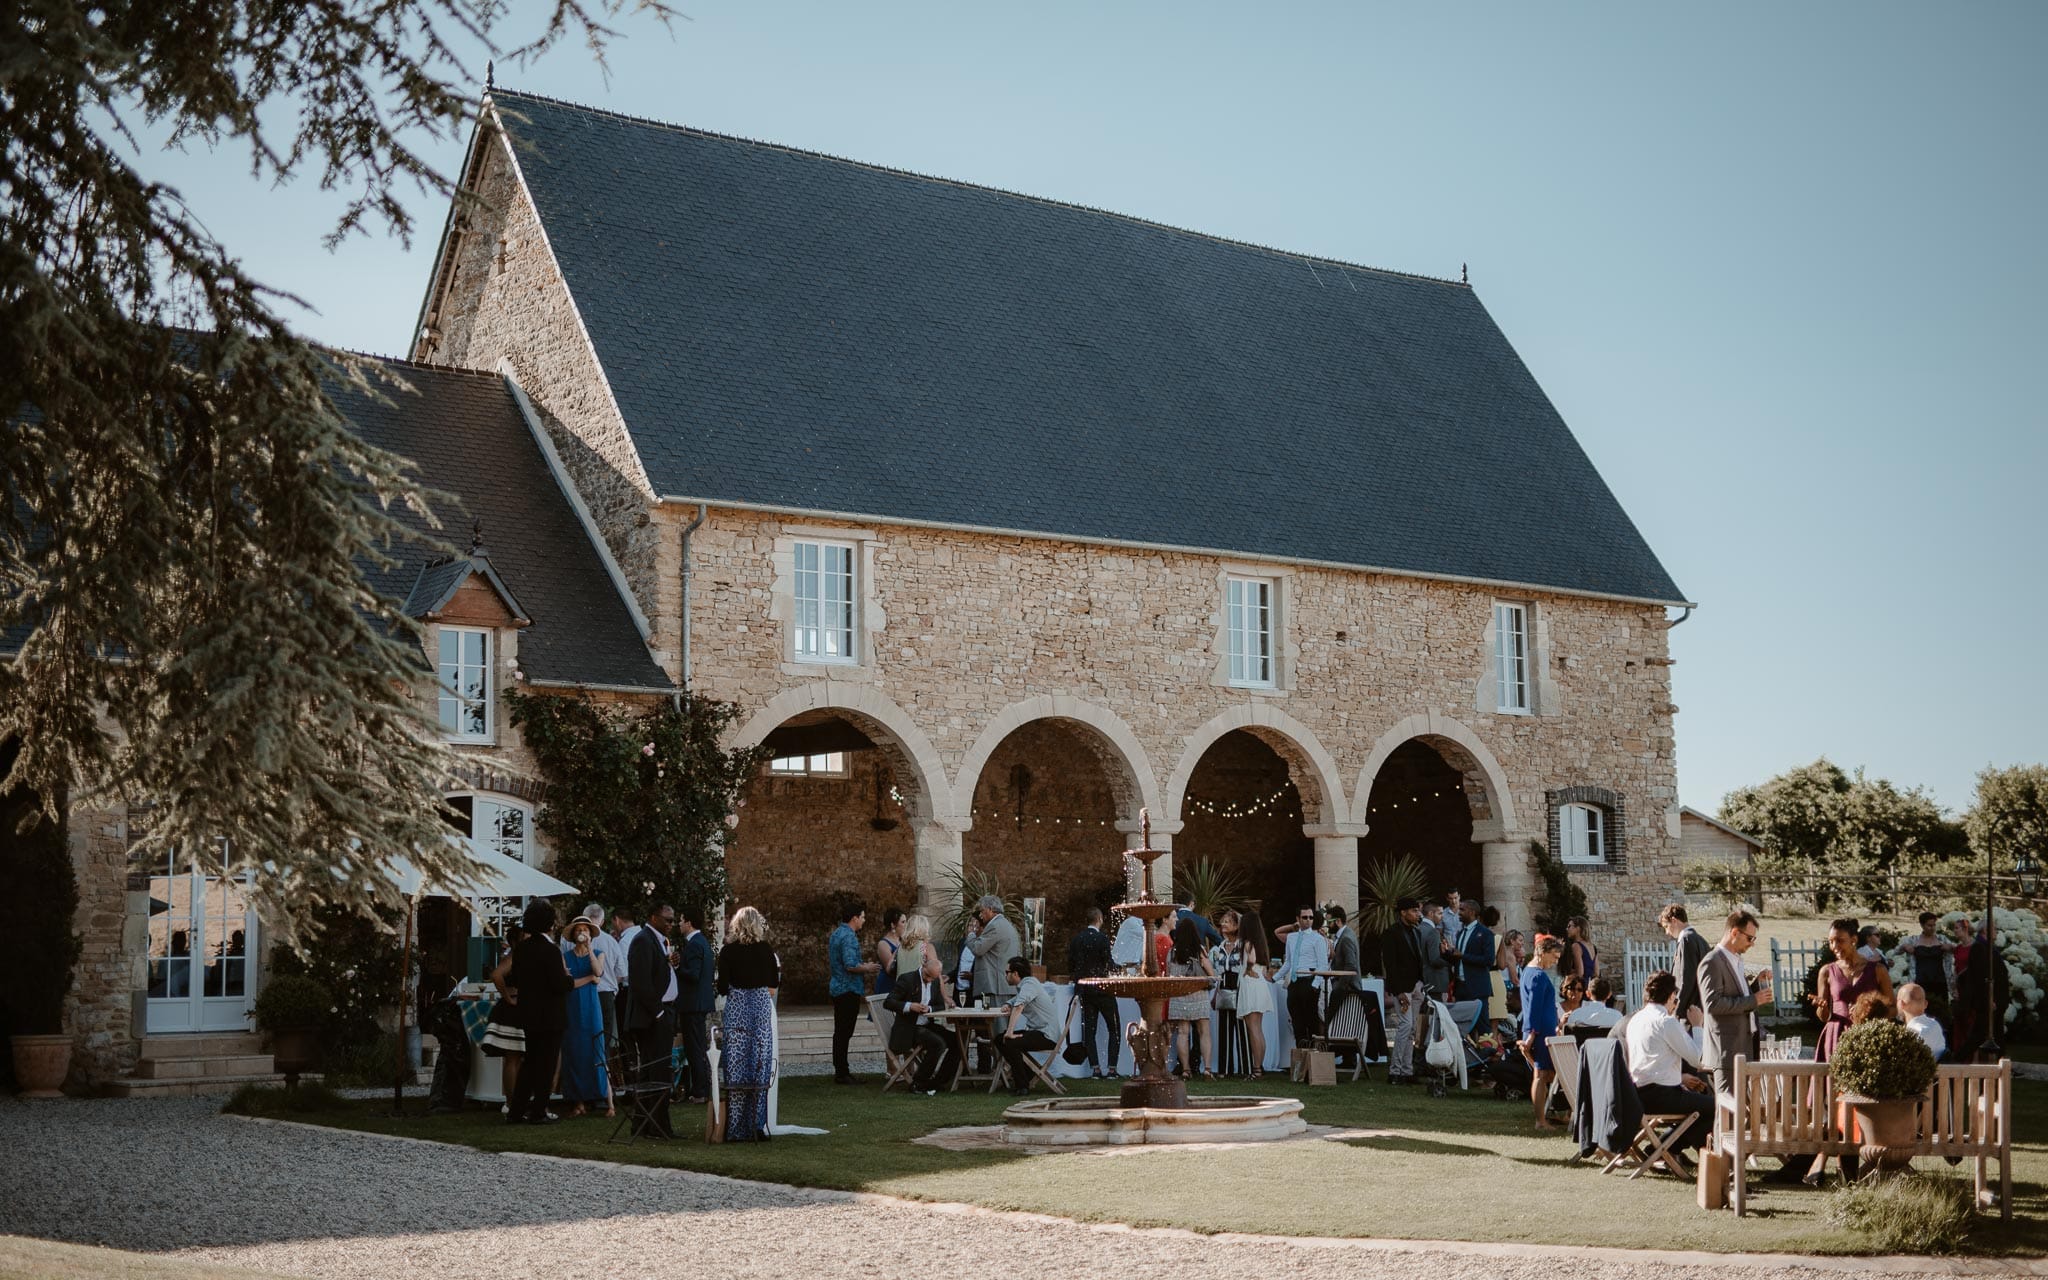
[{"x": 110, "y": 965}]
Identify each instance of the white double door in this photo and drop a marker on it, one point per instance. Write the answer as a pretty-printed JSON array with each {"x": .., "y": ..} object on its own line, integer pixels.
[{"x": 202, "y": 944}]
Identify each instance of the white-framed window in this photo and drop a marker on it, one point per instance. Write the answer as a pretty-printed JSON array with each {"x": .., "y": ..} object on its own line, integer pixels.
[
  {"x": 1582, "y": 829},
  {"x": 503, "y": 826},
  {"x": 824, "y": 602},
  {"x": 832, "y": 764},
  {"x": 1248, "y": 625},
  {"x": 467, "y": 714},
  {"x": 1511, "y": 658}
]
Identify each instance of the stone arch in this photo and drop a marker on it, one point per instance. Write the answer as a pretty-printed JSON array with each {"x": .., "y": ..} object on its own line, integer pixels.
[
  {"x": 1493, "y": 805},
  {"x": 1309, "y": 765},
  {"x": 901, "y": 742},
  {"x": 1122, "y": 756}
]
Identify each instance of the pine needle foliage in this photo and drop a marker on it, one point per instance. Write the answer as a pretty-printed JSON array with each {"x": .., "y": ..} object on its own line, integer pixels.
[
  {"x": 638, "y": 800},
  {"x": 187, "y": 518}
]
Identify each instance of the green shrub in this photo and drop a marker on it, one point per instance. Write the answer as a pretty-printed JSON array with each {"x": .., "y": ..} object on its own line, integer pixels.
[
  {"x": 39, "y": 949},
  {"x": 1562, "y": 897},
  {"x": 1881, "y": 1059},
  {"x": 1916, "y": 1213},
  {"x": 292, "y": 1002},
  {"x": 1384, "y": 884},
  {"x": 365, "y": 1064},
  {"x": 271, "y": 1100},
  {"x": 1212, "y": 886}
]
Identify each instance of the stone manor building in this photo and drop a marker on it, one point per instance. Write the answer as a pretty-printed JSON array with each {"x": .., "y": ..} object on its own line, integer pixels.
[{"x": 1002, "y": 520}]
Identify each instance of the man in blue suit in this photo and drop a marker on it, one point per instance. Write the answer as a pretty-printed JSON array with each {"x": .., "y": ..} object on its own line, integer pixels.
[
  {"x": 695, "y": 997},
  {"x": 1475, "y": 954}
]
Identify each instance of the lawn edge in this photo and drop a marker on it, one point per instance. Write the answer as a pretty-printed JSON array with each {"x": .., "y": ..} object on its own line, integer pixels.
[{"x": 1875, "y": 1264}]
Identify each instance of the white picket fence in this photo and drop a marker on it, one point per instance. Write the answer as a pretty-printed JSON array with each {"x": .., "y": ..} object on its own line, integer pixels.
[
  {"x": 1789, "y": 967},
  {"x": 1639, "y": 961}
]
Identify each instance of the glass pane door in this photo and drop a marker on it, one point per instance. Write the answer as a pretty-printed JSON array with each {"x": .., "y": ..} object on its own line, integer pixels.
[{"x": 201, "y": 939}]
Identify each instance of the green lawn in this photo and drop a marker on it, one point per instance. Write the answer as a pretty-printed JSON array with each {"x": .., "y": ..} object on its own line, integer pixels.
[{"x": 1482, "y": 1173}]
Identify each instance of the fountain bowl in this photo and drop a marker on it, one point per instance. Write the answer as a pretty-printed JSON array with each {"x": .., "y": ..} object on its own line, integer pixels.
[{"x": 1083, "y": 1122}]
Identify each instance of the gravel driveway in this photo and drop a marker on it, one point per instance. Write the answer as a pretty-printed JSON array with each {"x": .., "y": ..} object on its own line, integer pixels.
[{"x": 175, "y": 1176}]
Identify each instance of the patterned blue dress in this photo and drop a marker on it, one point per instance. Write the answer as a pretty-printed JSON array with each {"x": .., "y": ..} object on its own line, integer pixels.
[
  {"x": 748, "y": 1061},
  {"x": 583, "y": 1040}
]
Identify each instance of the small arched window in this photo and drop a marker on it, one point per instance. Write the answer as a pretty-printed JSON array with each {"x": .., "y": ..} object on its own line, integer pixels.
[{"x": 1582, "y": 833}]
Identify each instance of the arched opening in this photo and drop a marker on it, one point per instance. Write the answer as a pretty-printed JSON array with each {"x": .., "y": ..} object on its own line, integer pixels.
[
  {"x": 1242, "y": 813},
  {"x": 1420, "y": 808},
  {"x": 826, "y": 818},
  {"x": 1045, "y": 807}
]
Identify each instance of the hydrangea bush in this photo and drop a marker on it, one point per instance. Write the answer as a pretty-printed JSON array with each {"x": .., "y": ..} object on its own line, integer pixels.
[{"x": 2025, "y": 948}]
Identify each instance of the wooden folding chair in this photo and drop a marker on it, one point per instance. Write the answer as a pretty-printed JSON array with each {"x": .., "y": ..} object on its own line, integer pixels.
[
  {"x": 1651, "y": 1150},
  {"x": 901, "y": 1069},
  {"x": 1040, "y": 1071},
  {"x": 1347, "y": 1029},
  {"x": 1564, "y": 1056},
  {"x": 638, "y": 1102}
]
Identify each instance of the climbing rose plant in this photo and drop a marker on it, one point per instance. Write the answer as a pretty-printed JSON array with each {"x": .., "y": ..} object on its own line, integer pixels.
[{"x": 638, "y": 800}]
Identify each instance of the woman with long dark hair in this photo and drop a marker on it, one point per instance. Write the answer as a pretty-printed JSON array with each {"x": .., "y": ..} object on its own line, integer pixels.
[
  {"x": 1255, "y": 988},
  {"x": 1581, "y": 961},
  {"x": 542, "y": 981},
  {"x": 1186, "y": 960}
]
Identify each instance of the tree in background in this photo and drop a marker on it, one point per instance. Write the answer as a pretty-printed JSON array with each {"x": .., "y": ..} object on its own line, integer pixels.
[
  {"x": 1831, "y": 827},
  {"x": 187, "y": 519},
  {"x": 2010, "y": 815}
]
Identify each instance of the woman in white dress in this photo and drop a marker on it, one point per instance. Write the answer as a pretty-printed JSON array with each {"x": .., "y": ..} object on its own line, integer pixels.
[{"x": 1242, "y": 955}]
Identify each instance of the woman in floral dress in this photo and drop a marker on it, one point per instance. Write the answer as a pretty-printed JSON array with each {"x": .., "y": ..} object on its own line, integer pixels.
[{"x": 749, "y": 971}]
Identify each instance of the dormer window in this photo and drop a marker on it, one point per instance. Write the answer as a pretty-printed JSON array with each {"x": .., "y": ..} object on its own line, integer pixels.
[{"x": 465, "y": 678}]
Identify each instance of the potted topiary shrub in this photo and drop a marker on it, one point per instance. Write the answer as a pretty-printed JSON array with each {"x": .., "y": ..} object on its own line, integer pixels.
[
  {"x": 1882, "y": 1071},
  {"x": 39, "y": 950},
  {"x": 291, "y": 1009}
]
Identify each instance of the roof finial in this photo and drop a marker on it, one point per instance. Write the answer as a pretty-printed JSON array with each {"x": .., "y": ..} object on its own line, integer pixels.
[
  {"x": 476, "y": 538},
  {"x": 1464, "y": 273},
  {"x": 490, "y": 75}
]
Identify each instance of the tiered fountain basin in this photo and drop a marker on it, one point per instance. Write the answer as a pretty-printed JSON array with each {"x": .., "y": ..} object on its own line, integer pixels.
[{"x": 1079, "y": 1122}]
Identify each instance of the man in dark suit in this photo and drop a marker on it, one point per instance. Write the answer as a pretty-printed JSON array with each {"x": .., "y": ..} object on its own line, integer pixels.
[
  {"x": 1688, "y": 948},
  {"x": 1475, "y": 953},
  {"x": 1731, "y": 1000},
  {"x": 1088, "y": 957},
  {"x": 914, "y": 996},
  {"x": 695, "y": 999},
  {"x": 1401, "y": 955},
  {"x": 1980, "y": 1012},
  {"x": 650, "y": 1005}
]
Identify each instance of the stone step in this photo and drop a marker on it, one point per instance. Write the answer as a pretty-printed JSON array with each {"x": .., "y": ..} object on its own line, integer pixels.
[
  {"x": 140, "y": 1087},
  {"x": 218, "y": 1044},
  {"x": 241, "y": 1064}
]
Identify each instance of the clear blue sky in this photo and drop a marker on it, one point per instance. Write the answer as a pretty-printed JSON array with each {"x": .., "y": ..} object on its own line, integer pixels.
[{"x": 1781, "y": 267}]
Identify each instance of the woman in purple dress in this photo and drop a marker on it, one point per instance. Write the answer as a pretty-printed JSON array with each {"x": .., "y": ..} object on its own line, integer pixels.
[{"x": 1850, "y": 977}]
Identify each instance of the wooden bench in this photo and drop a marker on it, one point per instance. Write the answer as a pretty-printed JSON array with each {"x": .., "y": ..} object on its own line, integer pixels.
[{"x": 1789, "y": 1109}]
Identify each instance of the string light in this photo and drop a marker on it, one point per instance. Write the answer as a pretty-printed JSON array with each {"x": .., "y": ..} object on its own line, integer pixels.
[{"x": 1237, "y": 809}]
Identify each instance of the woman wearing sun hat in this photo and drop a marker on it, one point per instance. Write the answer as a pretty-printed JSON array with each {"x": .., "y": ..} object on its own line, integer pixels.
[{"x": 584, "y": 1083}]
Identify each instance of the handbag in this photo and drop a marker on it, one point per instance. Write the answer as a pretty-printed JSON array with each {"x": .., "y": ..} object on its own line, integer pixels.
[{"x": 1441, "y": 1054}]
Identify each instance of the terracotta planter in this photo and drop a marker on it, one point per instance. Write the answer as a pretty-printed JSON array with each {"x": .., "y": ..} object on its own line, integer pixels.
[
  {"x": 40, "y": 1065},
  {"x": 1888, "y": 1127},
  {"x": 292, "y": 1052}
]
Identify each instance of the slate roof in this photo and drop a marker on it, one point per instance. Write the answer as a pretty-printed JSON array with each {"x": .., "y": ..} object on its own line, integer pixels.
[
  {"x": 466, "y": 432},
  {"x": 438, "y": 583},
  {"x": 799, "y": 332}
]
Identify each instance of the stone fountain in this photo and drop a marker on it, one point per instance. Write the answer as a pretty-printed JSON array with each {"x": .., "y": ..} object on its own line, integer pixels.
[{"x": 1154, "y": 1104}]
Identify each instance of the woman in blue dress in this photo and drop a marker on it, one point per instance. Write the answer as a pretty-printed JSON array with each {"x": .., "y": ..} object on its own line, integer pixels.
[
  {"x": 1539, "y": 1020},
  {"x": 748, "y": 974},
  {"x": 584, "y": 1085}
]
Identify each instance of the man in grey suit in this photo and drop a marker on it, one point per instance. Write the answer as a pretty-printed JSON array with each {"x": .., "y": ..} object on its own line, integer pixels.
[
  {"x": 1731, "y": 1000},
  {"x": 993, "y": 942},
  {"x": 1688, "y": 948},
  {"x": 1436, "y": 964}
]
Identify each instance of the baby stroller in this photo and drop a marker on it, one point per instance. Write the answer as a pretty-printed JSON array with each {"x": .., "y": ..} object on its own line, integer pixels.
[{"x": 1500, "y": 1061}]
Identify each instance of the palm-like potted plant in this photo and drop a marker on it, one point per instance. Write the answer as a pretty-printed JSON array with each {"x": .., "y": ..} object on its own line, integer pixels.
[
  {"x": 40, "y": 950},
  {"x": 1882, "y": 1071},
  {"x": 291, "y": 1009}
]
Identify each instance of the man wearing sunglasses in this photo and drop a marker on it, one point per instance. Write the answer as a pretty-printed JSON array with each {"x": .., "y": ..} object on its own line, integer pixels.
[{"x": 1732, "y": 999}]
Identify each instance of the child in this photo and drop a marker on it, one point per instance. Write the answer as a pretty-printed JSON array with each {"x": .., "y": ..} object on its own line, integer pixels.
[{"x": 1913, "y": 1003}]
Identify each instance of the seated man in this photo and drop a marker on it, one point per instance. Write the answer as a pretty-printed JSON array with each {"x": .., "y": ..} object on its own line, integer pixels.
[
  {"x": 1594, "y": 1011},
  {"x": 1658, "y": 1053},
  {"x": 1034, "y": 1016},
  {"x": 914, "y": 996},
  {"x": 1913, "y": 1008}
]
